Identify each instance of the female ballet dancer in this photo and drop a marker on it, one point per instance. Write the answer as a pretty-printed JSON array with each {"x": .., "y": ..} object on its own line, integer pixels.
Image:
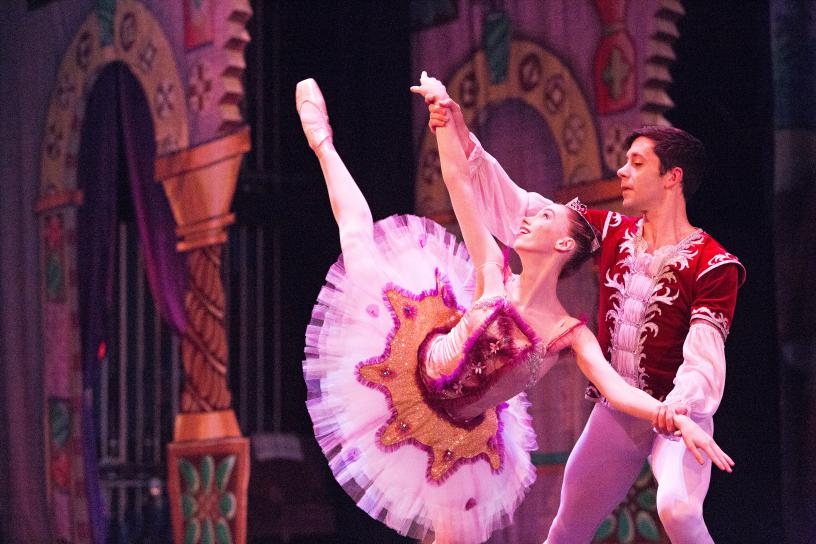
[{"x": 417, "y": 357}]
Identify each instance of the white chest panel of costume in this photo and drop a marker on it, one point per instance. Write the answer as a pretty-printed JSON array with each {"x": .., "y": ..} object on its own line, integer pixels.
[{"x": 641, "y": 286}]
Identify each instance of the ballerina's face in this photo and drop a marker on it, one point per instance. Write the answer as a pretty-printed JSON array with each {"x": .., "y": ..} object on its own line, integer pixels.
[{"x": 540, "y": 232}]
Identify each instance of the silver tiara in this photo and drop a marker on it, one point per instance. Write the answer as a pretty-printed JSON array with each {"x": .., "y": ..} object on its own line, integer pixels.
[{"x": 581, "y": 208}]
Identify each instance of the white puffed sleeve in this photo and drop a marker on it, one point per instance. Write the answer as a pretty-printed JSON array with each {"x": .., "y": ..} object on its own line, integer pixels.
[
  {"x": 445, "y": 351},
  {"x": 700, "y": 380}
]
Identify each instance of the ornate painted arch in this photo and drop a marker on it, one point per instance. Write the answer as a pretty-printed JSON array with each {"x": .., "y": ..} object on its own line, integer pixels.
[
  {"x": 540, "y": 80},
  {"x": 197, "y": 163},
  {"x": 139, "y": 42},
  {"x": 130, "y": 35}
]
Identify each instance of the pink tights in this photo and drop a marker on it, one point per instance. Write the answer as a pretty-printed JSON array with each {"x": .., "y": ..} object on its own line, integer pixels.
[{"x": 605, "y": 462}]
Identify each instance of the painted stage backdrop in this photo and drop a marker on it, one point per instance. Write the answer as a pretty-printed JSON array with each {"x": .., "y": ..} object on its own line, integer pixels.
[
  {"x": 551, "y": 88},
  {"x": 184, "y": 62},
  {"x": 793, "y": 46}
]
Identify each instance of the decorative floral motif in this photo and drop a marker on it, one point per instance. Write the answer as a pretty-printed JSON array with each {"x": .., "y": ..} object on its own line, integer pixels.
[
  {"x": 198, "y": 28},
  {"x": 70, "y": 160},
  {"x": 129, "y": 31},
  {"x": 53, "y": 232},
  {"x": 54, "y": 278},
  {"x": 616, "y": 72},
  {"x": 65, "y": 90},
  {"x": 614, "y": 148},
  {"x": 165, "y": 99},
  {"x": 53, "y": 141},
  {"x": 167, "y": 144},
  {"x": 530, "y": 72},
  {"x": 614, "y": 219},
  {"x": 207, "y": 505},
  {"x": 717, "y": 319},
  {"x": 477, "y": 367},
  {"x": 351, "y": 456},
  {"x": 199, "y": 86},
  {"x": 373, "y": 310},
  {"x": 635, "y": 519},
  {"x": 59, "y": 427},
  {"x": 554, "y": 94},
  {"x": 409, "y": 311},
  {"x": 719, "y": 260},
  {"x": 574, "y": 134},
  {"x": 147, "y": 56},
  {"x": 105, "y": 13},
  {"x": 54, "y": 268},
  {"x": 84, "y": 50}
]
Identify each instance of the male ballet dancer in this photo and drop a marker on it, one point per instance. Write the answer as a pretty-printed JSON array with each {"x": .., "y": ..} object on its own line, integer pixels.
[{"x": 667, "y": 296}]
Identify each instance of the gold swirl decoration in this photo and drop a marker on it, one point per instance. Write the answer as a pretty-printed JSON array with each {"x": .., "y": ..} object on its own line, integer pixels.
[{"x": 414, "y": 421}]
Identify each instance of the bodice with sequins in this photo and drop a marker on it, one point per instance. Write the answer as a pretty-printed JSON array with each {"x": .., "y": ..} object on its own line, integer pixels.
[{"x": 502, "y": 358}]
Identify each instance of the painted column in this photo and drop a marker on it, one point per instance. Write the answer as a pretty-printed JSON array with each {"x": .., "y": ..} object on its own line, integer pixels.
[{"x": 208, "y": 460}]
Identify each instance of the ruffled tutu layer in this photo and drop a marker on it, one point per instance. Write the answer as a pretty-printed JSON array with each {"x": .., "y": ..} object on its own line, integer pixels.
[{"x": 401, "y": 461}]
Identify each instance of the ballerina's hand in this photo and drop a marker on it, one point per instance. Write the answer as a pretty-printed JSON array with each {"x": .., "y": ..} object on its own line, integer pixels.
[
  {"x": 697, "y": 439},
  {"x": 430, "y": 88}
]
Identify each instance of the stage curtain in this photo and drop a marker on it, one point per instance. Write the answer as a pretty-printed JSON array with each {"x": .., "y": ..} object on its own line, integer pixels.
[
  {"x": 793, "y": 43},
  {"x": 97, "y": 177},
  {"x": 117, "y": 147},
  {"x": 165, "y": 266}
]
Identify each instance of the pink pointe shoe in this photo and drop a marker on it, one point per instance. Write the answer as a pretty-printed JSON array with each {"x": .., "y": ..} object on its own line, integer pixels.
[{"x": 313, "y": 115}]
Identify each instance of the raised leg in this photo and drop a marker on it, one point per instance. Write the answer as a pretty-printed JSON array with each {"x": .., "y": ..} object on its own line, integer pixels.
[{"x": 348, "y": 204}]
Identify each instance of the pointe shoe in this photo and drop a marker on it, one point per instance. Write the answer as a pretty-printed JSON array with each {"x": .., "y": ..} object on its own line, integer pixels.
[{"x": 315, "y": 120}]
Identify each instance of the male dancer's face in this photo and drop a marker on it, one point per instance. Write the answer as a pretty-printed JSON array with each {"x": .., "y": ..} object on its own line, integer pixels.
[{"x": 641, "y": 183}]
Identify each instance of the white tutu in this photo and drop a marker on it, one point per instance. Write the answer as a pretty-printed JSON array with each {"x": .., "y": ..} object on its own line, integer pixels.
[{"x": 353, "y": 325}]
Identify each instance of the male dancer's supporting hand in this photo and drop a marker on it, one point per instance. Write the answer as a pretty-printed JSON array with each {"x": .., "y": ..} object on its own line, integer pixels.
[{"x": 664, "y": 421}]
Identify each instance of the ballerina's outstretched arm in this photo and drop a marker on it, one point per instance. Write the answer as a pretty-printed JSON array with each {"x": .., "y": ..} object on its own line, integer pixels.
[
  {"x": 445, "y": 351},
  {"x": 486, "y": 255},
  {"x": 348, "y": 204},
  {"x": 633, "y": 401}
]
